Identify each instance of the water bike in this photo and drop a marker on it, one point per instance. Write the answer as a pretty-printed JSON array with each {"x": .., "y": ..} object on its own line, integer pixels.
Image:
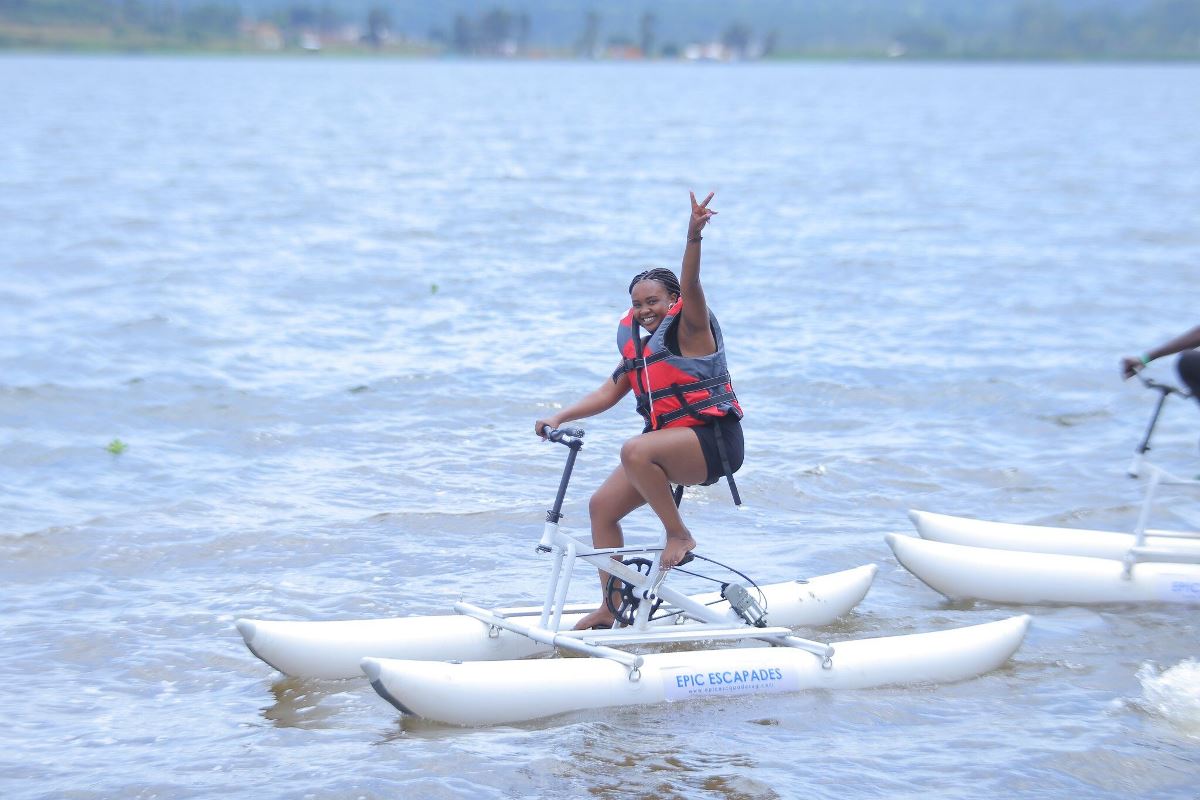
[
  {"x": 472, "y": 668},
  {"x": 1012, "y": 563}
]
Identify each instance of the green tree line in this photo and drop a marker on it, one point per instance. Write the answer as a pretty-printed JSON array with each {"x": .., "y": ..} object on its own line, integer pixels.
[{"x": 588, "y": 28}]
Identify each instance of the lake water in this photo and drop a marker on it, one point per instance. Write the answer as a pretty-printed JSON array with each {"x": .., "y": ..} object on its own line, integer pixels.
[{"x": 322, "y": 302}]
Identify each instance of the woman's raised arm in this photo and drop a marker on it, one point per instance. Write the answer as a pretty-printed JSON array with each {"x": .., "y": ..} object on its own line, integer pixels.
[{"x": 695, "y": 334}]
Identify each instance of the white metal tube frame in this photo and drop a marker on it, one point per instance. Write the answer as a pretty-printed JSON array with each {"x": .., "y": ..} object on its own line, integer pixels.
[
  {"x": 567, "y": 550},
  {"x": 1140, "y": 552},
  {"x": 649, "y": 588}
]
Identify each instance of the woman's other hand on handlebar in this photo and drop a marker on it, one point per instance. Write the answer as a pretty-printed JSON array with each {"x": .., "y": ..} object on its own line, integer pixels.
[
  {"x": 1130, "y": 366},
  {"x": 541, "y": 424}
]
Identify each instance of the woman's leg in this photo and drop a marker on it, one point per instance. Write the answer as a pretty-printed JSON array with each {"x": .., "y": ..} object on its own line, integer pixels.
[
  {"x": 611, "y": 503},
  {"x": 649, "y": 463},
  {"x": 652, "y": 462}
]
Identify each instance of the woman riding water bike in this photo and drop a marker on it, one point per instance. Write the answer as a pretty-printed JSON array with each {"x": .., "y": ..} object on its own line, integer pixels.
[
  {"x": 1188, "y": 363},
  {"x": 673, "y": 359}
]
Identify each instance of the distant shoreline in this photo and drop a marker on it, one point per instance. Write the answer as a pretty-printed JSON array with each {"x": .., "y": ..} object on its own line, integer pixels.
[
  {"x": 415, "y": 54},
  {"x": 703, "y": 31}
]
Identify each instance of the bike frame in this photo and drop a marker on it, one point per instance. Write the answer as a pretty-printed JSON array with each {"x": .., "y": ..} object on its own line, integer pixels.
[
  {"x": 1158, "y": 478},
  {"x": 705, "y": 623}
]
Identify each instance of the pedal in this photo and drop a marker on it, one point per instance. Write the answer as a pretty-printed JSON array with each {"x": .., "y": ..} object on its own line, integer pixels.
[{"x": 744, "y": 605}]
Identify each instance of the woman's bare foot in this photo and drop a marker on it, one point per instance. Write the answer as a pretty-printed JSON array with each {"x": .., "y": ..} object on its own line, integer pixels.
[
  {"x": 678, "y": 546},
  {"x": 601, "y": 617}
]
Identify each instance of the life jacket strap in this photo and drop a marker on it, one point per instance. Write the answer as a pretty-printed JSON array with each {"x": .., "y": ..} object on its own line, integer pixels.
[
  {"x": 679, "y": 389},
  {"x": 694, "y": 409},
  {"x": 633, "y": 364},
  {"x": 723, "y": 451}
]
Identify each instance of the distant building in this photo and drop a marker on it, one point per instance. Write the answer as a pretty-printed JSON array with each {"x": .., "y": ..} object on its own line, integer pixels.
[
  {"x": 265, "y": 35},
  {"x": 623, "y": 52}
]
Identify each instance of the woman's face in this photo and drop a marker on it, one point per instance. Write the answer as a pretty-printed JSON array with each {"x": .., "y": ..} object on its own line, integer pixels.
[{"x": 651, "y": 302}]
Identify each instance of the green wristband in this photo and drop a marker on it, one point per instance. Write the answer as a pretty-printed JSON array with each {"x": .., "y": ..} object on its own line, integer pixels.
[{"x": 1146, "y": 360}]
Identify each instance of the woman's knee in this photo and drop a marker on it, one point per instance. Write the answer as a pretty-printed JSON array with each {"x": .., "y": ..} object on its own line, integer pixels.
[
  {"x": 605, "y": 513},
  {"x": 598, "y": 509},
  {"x": 635, "y": 451},
  {"x": 676, "y": 452},
  {"x": 606, "y": 507}
]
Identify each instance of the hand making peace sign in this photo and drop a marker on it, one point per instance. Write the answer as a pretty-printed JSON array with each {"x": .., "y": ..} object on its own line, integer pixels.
[{"x": 701, "y": 214}]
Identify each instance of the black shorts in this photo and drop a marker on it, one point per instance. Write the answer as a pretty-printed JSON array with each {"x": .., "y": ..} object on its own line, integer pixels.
[
  {"x": 1189, "y": 370},
  {"x": 735, "y": 447}
]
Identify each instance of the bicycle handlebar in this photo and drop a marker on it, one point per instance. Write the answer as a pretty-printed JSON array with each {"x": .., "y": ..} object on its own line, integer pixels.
[
  {"x": 559, "y": 434},
  {"x": 1165, "y": 388}
]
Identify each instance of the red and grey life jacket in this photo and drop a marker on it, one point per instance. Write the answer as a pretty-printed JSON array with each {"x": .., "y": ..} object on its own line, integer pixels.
[{"x": 674, "y": 390}]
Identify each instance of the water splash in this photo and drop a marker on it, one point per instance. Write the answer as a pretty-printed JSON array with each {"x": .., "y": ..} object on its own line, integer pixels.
[{"x": 1174, "y": 694}]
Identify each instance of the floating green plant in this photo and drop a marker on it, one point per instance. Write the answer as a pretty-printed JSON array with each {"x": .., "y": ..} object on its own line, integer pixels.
[
  {"x": 116, "y": 447},
  {"x": 433, "y": 287}
]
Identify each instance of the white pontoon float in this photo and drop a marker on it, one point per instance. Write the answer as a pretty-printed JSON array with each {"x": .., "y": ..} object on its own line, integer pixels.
[
  {"x": 406, "y": 658},
  {"x": 511, "y": 691},
  {"x": 1011, "y": 563},
  {"x": 1042, "y": 539},
  {"x": 335, "y": 648}
]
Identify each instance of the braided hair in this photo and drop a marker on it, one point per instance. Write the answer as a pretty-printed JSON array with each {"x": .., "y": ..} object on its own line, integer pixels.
[{"x": 661, "y": 274}]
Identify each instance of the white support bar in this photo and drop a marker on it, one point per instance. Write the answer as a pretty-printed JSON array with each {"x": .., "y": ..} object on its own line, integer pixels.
[
  {"x": 1143, "y": 519},
  {"x": 530, "y": 611},
  {"x": 1142, "y": 554},
  {"x": 1161, "y": 534},
  {"x": 549, "y": 535},
  {"x": 702, "y": 612},
  {"x": 622, "y": 571},
  {"x": 825, "y": 651},
  {"x": 674, "y": 634},
  {"x": 631, "y": 550},
  {"x": 564, "y": 583},
  {"x": 544, "y": 636},
  {"x": 697, "y": 611}
]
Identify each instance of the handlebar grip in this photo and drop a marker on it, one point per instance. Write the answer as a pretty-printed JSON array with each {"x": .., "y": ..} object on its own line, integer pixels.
[{"x": 558, "y": 434}]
